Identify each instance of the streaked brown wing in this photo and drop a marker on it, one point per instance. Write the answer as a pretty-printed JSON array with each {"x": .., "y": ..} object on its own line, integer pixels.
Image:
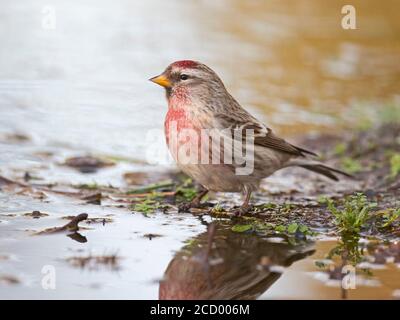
[
  {"x": 263, "y": 136},
  {"x": 270, "y": 140}
]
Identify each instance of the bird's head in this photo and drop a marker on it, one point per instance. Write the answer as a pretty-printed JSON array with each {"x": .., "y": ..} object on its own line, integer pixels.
[{"x": 191, "y": 77}]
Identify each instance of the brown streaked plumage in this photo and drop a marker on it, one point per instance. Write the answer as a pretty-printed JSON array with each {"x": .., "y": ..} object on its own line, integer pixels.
[{"x": 198, "y": 100}]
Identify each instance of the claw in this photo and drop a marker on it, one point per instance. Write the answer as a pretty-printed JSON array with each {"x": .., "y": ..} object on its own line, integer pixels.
[
  {"x": 242, "y": 211},
  {"x": 185, "y": 207},
  {"x": 195, "y": 203}
]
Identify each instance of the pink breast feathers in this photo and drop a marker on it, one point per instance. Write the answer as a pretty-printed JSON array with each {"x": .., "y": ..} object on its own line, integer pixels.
[
  {"x": 176, "y": 121},
  {"x": 182, "y": 135},
  {"x": 178, "y": 118}
]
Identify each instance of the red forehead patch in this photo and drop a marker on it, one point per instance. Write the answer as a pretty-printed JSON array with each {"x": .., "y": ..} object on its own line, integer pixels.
[{"x": 185, "y": 64}]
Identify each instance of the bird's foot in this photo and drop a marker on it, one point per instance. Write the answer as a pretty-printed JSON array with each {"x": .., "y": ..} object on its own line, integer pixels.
[
  {"x": 238, "y": 212},
  {"x": 186, "y": 206},
  {"x": 195, "y": 203}
]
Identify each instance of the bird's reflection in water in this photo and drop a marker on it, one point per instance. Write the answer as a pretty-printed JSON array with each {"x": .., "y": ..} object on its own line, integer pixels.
[{"x": 222, "y": 264}]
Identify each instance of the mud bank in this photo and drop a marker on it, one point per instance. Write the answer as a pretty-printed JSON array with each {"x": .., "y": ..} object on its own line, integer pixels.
[{"x": 126, "y": 239}]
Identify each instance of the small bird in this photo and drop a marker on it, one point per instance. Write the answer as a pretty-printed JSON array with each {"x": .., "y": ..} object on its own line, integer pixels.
[{"x": 198, "y": 102}]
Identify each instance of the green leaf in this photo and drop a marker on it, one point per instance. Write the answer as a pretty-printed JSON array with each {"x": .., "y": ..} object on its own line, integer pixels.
[
  {"x": 292, "y": 228},
  {"x": 241, "y": 227},
  {"x": 280, "y": 228},
  {"x": 303, "y": 228}
]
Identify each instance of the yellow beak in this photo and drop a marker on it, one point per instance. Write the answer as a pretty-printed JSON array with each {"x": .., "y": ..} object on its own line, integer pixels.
[{"x": 161, "y": 80}]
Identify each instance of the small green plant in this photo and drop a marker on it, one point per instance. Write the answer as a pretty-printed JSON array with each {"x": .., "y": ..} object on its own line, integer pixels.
[
  {"x": 147, "y": 206},
  {"x": 280, "y": 228},
  {"x": 322, "y": 199},
  {"x": 290, "y": 232},
  {"x": 217, "y": 209},
  {"x": 186, "y": 191},
  {"x": 348, "y": 249},
  {"x": 321, "y": 264},
  {"x": 293, "y": 228},
  {"x": 241, "y": 227},
  {"x": 356, "y": 211},
  {"x": 268, "y": 206},
  {"x": 351, "y": 165},
  {"x": 340, "y": 149},
  {"x": 389, "y": 217},
  {"x": 286, "y": 207},
  {"x": 394, "y": 165},
  {"x": 191, "y": 242}
]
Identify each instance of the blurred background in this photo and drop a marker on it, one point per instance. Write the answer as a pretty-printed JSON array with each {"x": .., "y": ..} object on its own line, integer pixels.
[{"x": 73, "y": 74}]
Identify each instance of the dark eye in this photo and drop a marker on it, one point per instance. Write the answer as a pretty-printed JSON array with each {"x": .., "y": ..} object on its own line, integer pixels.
[{"x": 184, "y": 77}]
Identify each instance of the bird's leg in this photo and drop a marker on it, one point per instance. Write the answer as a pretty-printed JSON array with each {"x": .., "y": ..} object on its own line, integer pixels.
[
  {"x": 245, "y": 207},
  {"x": 195, "y": 203}
]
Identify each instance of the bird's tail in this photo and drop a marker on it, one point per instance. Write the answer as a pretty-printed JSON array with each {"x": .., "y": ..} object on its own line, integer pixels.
[{"x": 317, "y": 167}]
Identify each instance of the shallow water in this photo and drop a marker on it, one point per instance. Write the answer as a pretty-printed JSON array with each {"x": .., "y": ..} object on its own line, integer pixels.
[
  {"x": 83, "y": 85},
  {"x": 141, "y": 265},
  {"x": 82, "y": 88},
  {"x": 164, "y": 257}
]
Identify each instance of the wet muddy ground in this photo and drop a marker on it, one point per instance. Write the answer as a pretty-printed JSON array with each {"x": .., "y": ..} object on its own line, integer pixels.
[{"x": 124, "y": 237}]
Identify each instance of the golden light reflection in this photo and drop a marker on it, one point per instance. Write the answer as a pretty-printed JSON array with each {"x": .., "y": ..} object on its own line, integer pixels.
[{"x": 295, "y": 63}]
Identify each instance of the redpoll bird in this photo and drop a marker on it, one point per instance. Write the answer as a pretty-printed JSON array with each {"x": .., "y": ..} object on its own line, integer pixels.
[{"x": 200, "y": 106}]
